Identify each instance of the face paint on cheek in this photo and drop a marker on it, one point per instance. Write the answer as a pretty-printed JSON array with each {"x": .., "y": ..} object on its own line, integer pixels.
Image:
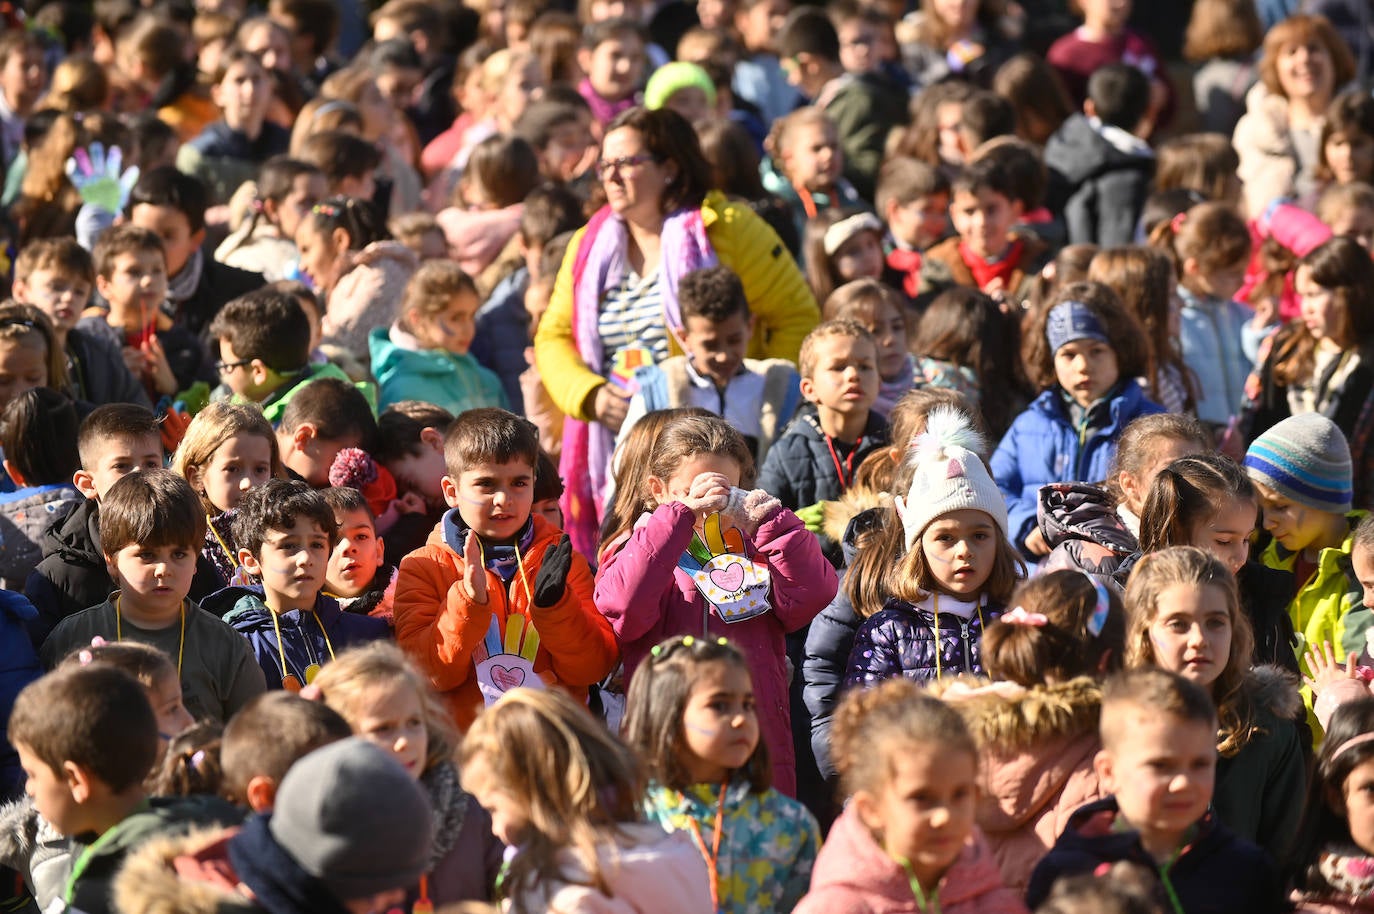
[{"x": 704, "y": 731}]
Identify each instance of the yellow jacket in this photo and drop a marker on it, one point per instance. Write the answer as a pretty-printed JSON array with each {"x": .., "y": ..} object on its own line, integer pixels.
[{"x": 779, "y": 298}]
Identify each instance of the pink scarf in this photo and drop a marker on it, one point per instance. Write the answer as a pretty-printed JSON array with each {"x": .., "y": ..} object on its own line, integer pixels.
[{"x": 599, "y": 265}]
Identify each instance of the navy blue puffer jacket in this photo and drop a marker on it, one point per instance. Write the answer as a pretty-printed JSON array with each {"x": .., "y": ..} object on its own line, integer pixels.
[{"x": 901, "y": 641}]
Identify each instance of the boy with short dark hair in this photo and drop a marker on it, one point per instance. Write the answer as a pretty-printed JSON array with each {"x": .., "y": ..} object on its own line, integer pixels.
[
  {"x": 757, "y": 396},
  {"x": 151, "y": 527},
  {"x": 1158, "y": 759},
  {"x": 913, "y": 200},
  {"x": 349, "y": 163},
  {"x": 57, "y": 276},
  {"x": 87, "y": 738},
  {"x": 817, "y": 456},
  {"x": 986, "y": 254},
  {"x": 113, "y": 441},
  {"x": 285, "y": 532},
  {"x": 266, "y": 737},
  {"x": 497, "y": 598},
  {"x": 353, "y": 577},
  {"x": 410, "y": 444},
  {"x": 321, "y": 419},
  {"x": 264, "y": 351},
  {"x": 1100, "y": 166},
  {"x": 865, "y": 107}
]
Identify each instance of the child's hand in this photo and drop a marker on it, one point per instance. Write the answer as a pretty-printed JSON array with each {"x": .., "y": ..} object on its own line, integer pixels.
[
  {"x": 611, "y": 405},
  {"x": 709, "y": 492},
  {"x": 1035, "y": 543},
  {"x": 156, "y": 367},
  {"x": 758, "y": 507},
  {"x": 1325, "y": 669},
  {"x": 552, "y": 580},
  {"x": 813, "y": 516},
  {"x": 474, "y": 570}
]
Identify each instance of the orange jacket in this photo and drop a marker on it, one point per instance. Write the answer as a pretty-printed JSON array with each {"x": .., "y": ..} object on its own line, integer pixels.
[{"x": 441, "y": 628}]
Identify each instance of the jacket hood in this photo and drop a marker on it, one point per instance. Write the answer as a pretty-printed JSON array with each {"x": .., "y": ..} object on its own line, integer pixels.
[
  {"x": 19, "y": 828},
  {"x": 186, "y": 874},
  {"x": 384, "y": 254},
  {"x": 392, "y": 351},
  {"x": 1071, "y": 510},
  {"x": 76, "y": 539},
  {"x": 1079, "y": 152},
  {"x": 857, "y": 512},
  {"x": 852, "y": 861},
  {"x": 248, "y": 613},
  {"x": 1274, "y": 690}
]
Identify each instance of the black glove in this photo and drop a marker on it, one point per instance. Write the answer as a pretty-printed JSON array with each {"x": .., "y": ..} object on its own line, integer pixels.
[{"x": 552, "y": 580}]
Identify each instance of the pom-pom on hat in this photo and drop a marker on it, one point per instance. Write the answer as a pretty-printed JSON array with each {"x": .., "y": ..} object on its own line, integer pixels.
[
  {"x": 950, "y": 475},
  {"x": 1305, "y": 459},
  {"x": 674, "y": 77},
  {"x": 354, "y": 468}
]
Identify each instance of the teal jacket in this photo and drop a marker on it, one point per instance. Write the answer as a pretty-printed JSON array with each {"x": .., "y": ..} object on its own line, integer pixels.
[{"x": 455, "y": 382}]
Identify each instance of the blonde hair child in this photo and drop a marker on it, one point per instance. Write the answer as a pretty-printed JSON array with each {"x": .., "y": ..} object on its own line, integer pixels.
[
  {"x": 564, "y": 794},
  {"x": 228, "y": 449},
  {"x": 692, "y": 716},
  {"x": 1184, "y": 616},
  {"x": 893, "y": 744},
  {"x": 881, "y": 311},
  {"x": 389, "y": 703},
  {"x": 805, "y": 165}
]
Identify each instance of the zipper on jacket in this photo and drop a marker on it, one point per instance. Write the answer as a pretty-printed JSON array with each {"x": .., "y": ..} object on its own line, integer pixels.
[{"x": 968, "y": 650}]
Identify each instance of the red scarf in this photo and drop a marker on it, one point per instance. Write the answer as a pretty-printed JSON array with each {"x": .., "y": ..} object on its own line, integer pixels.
[
  {"x": 908, "y": 263},
  {"x": 984, "y": 273}
]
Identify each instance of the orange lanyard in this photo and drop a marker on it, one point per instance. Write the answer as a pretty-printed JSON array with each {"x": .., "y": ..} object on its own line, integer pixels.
[{"x": 713, "y": 855}]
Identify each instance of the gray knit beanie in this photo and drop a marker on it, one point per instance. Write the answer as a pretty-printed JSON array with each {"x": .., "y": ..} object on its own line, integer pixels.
[{"x": 1306, "y": 460}]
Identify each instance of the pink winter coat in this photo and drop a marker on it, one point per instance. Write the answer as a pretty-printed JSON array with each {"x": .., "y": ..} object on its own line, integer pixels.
[
  {"x": 1036, "y": 750},
  {"x": 648, "y": 599},
  {"x": 853, "y": 875},
  {"x": 367, "y": 295},
  {"x": 476, "y": 237}
]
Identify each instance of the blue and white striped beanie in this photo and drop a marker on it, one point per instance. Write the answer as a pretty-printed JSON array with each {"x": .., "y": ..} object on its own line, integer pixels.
[{"x": 1305, "y": 459}]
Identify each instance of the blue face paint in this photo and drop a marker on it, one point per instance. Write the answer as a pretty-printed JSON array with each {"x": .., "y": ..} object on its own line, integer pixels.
[{"x": 702, "y": 730}]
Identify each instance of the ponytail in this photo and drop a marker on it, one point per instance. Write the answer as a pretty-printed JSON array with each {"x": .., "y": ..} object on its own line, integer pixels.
[
  {"x": 1186, "y": 492},
  {"x": 1064, "y": 625}
]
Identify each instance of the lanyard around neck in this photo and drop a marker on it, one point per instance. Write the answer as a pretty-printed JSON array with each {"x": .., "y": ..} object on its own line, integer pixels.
[
  {"x": 181, "y": 645},
  {"x": 712, "y": 856}
]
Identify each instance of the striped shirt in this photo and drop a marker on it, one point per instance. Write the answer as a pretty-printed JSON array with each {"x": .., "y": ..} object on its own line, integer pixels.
[{"x": 632, "y": 317}]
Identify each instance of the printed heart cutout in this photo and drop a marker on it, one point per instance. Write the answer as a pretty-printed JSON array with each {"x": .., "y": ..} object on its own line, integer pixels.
[
  {"x": 506, "y": 678},
  {"x": 728, "y": 578}
]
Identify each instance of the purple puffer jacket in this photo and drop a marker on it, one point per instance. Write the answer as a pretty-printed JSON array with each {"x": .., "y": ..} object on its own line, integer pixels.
[
  {"x": 647, "y": 599},
  {"x": 900, "y": 641}
]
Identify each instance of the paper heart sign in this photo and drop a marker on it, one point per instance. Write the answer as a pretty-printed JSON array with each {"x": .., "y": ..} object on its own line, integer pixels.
[
  {"x": 507, "y": 663},
  {"x": 735, "y": 584}
]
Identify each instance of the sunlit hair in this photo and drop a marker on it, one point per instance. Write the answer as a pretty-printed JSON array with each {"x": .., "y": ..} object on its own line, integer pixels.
[
  {"x": 630, "y": 469},
  {"x": 687, "y": 436},
  {"x": 1299, "y": 29},
  {"x": 1067, "y": 644},
  {"x": 1341, "y": 265},
  {"x": 207, "y": 433},
  {"x": 1124, "y": 333},
  {"x": 1141, "y": 441},
  {"x": 1187, "y": 492}
]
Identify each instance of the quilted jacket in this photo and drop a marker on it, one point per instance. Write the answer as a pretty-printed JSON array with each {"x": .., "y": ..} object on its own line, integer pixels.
[
  {"x": 1084, "y": 533},
  {"x": 799, "y": 469},
  {"x": 901, "y": 640}
]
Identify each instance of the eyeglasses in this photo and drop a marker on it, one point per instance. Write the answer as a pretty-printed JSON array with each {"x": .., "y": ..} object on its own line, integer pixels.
[
  {"x": 622, "y": 165},
  {"x": 226, "y": 367}
]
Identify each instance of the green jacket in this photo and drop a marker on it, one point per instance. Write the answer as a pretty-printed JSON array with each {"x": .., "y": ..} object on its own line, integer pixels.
[{"x": 275, "y": 405}]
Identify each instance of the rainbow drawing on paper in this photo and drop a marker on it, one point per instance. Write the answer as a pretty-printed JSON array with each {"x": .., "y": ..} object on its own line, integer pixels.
[{"x": 719, "y": 564}]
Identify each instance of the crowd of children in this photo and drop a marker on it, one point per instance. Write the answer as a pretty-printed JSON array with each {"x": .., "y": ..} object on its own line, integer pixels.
[{"x": 686, "y": 456}]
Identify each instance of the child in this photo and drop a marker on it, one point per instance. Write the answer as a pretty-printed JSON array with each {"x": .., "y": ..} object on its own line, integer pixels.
[
  {"x": 229, "y": 152},
  {"x": 757, "y": 397},
  {"x": 986, "y": 254},
  {"x": 893, "y": 744},
  {"x": 152, "y": 55},
  {"x": 421, "y": 233},
  {"x": 685, "y": 88},
  {"x": 612, "y": 55},
  {"x": 1347, "y": 140},
  {"x": 347, "y": 261},
  {"x": 1096, "y": 529},
  {"x": 325, "y": 417},
  {"x": 327, "y": 846},
  {"x": 424, "y": 356},
  {"x": 353, "y": 576},
  {"x": 113, "y": 441},
  {"x": 1301, "y": 470},
  {"x": 87, "y": 738},
  {"x": 264, "y": 351},
  {"x": 389, "y": 703},
  {"x": 481, "y": 225},
  {"x": 410, "y": 445},
  {"x": 864, "y": 107},
  {"x": 267, "y": 737},
  {"x": 564, "y": 795},
  {"x": 151, "y": 524},
  {"x": 841, "y": 247},
  {"x": 759, "y": 79},
  {"x": 957, "y": 558},
  {"x": 1103, "y": 39},
  {"x": 839, "y": 371},
  {"x": 1085, "y": 351},
  {"x": 38, "y": 439},
  {"x": 691, "y": 715},
  {"x": 1099, "y": 164},
  {"x": 1208, "y": 501},
  {"x": 493, "y": 576},
  {"x": 285, "y": 532},
  {"x": 228, "y": 449},
  {"x": 1333, "y": 856},
  {"x": 1037, "y": 739},
  {"x": 29, "y": 354},
  {"x": 882, "y": 313},
  {"x": 286, "y": 190},
  {"x": 57, "y": 276},
  {"x": 1349, "y": 210},
  {"x": 694, "y": 465},
  {"x": 913, "y": 200},
  {"x": 1210, "y": 247},
  {"x": 805, "y": 164},
  {"x": 1184, "y": 616},
  {"x": 1158, "y": 758}
]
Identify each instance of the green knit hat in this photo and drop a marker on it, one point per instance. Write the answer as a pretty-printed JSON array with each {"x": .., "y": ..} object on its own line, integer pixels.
[{"x": 673, "y": 77}]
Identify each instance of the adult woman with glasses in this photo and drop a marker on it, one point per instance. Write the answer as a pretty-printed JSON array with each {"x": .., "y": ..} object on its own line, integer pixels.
[{"x": 614, "y": 305}]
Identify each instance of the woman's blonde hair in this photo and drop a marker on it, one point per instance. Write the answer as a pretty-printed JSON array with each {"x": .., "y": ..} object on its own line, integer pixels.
[
  {"x": 1222, "y": 28},
  {"x": 345, "y": 681},
  {"x": 1190, "y": 566},
  {"x": 213, "y": 426},
  {"x": 577, "y": 783}
]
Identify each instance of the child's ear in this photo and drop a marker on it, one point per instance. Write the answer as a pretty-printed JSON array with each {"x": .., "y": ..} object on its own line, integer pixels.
[
  {"x": 111, "y": 567},
  {"x": 249, "y": 562},
  {"x": 303, "y": 435},
  {"x": 1102, "y": 764},
  {"x": 102, "y": 285},
  {"x": 339, "y": 237},
  {"x": 584, "y": 59},
  {"x": 193, "y": 479},
  {"x": 20, "y": 291},
  {"x": 258, "y": 372},
  {"x": 433, "y": 437},
  {"x": 79, "y": 781},
  {"x": 808, "y": 390},
  {"x": 84, "y": 484},
  {"x": 1190, "y": 266},
  {"x": 198, "y": 236},
  {"x": 869, "y": 810},
  {"x": 261, "y": 793},
  {"x": 15, "y": 474},
  {"x": 658, "y": 489},
  {"x": 1018, "y": 209},
  {"x": 449, "y": 486},
  {"x": 1089, "y": 109}
]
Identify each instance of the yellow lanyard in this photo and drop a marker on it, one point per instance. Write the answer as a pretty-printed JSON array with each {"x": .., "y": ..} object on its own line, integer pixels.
[
  {"x": 233, "y": 559},
  {"x": 519, "y": 567},
  {"x": 181, "y": 645},
  {"x": 281, "y": 653},
  {"x": 978, "y": 608}
]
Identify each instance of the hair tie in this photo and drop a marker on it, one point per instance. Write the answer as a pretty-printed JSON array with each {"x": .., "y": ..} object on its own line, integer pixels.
[
  {"x": 84, "y": 658},
  {"x": 194, "y": 759},
  {"x": 1019, "y": 616},
  {"x": 1098, "y": 620},
  {"x": 1351, "y": 744},
  {"x": 1176, "y": 223},
  {"x": 255, "y": 205}
]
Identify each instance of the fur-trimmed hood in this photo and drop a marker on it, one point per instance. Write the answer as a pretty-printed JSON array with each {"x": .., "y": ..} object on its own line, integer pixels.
[
  {"x": 30, "y": 846},
  {"x": 183, "y": 874},
  {"x": 1004, "y": 716},
  {"x": 839, "y": 517},
  {"x": 1274, "y": 690}
]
